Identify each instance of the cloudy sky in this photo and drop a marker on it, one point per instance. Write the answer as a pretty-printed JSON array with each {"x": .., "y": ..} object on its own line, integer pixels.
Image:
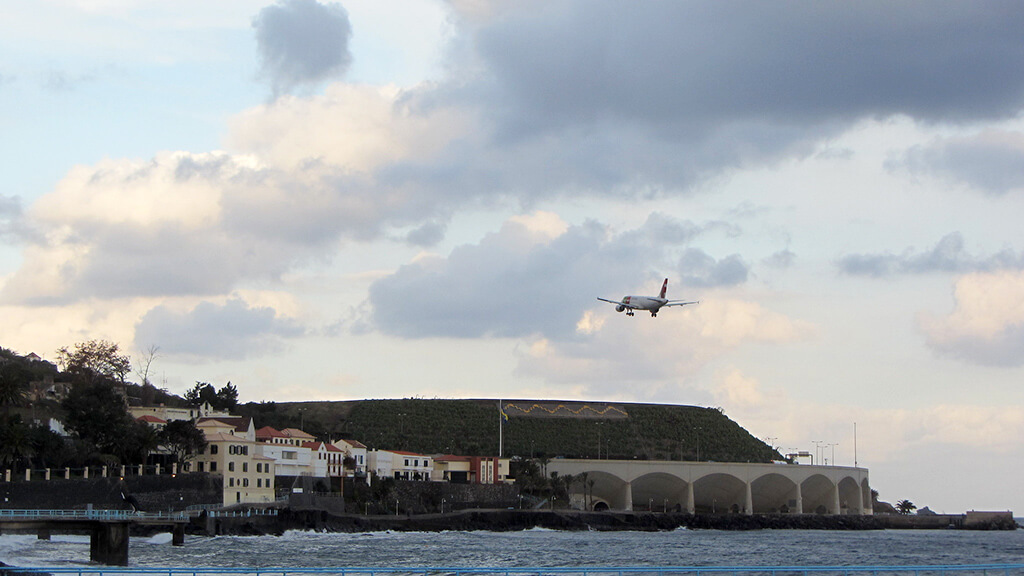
[{"x": 419, "y": 198}]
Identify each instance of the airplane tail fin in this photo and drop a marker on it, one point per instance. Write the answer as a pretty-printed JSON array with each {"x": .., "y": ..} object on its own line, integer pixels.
[{"x": 664, "y": 288}]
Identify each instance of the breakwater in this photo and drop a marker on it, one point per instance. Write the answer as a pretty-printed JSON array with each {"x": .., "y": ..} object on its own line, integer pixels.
[{"x": 511, "y": 520}]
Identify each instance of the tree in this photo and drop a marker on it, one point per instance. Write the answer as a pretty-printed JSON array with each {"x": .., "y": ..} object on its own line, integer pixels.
[
  {"x": 203, "y": 392},
  {"x": 183, "y": 439},
  {"x": 227, "y": 397},
  {"x": 96, "y": 413},
  {"x": 15, "y": 445},
  {"x": 905, "y": 507},
  {"x": 93, "y": 360},
  {"x": 142, "y": 370},
  {"x": 14, "y": 379}
]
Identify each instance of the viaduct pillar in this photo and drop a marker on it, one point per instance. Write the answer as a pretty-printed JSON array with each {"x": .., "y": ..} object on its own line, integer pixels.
[
  {"x": 108, "y": 543},
  {"x": 690, "y": 508},
  {"x": 799, "y": 500},
  {"x": 627, "y": 497},
  {"x": 748, "y": 500}
]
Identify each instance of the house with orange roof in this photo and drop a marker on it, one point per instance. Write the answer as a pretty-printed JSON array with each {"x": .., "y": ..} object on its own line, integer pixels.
[
  {"x": 400, "y": 465},
  {"x": 356, "y": 451},
  {"x": 231, "y": 452},
  {"x": 327, "y": 458},
  {"x": 471, "y": 469}
]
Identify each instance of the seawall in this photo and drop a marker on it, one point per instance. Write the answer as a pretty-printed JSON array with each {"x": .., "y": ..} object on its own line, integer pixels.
[{"x": 511, "y": 520}]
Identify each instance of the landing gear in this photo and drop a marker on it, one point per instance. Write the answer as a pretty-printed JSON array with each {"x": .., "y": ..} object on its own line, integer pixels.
[
  {"x": 654, "y": 314},
  {"x": 629, "y": 312}
]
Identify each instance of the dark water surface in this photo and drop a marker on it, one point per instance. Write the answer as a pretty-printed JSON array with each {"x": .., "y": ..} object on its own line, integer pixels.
[{"x": 546, "y": 548}]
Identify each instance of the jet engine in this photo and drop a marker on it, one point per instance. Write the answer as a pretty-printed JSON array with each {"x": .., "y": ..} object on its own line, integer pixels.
[{"x": 620, "y": 308}]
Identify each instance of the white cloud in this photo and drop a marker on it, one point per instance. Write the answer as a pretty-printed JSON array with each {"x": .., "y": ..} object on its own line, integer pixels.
[
  {"x": 986, "y": 325},
  {"x": 353, "y": 128}
]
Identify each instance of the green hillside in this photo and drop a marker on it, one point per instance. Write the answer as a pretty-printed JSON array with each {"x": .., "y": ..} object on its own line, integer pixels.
[{"x": 533, "y": 428}]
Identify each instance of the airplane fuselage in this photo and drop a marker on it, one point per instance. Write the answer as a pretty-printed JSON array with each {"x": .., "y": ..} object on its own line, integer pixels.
[
  {"x": 652, "y": 304},
  {"x": 648, "y": 303}
]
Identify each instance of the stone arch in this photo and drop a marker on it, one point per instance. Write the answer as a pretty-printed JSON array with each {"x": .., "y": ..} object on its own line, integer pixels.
[
  {"x": 850, "y": 497},
  {"x": 774, "y": 493},
  {"x": 865, "y": 491},
  {"x": 659, "y": 492},
  {"x": 608, "y": 489},
  {"x": 719, "y": 493},
  {"x": 818, "y": 495}
]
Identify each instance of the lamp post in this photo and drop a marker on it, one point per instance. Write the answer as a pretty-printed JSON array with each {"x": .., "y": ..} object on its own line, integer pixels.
[
  {"x": 442, "y": 505},
  {"x": 833, "y": 445},
  {"x": 817, "y": 450},
  {"x": 666, "y": 505}
]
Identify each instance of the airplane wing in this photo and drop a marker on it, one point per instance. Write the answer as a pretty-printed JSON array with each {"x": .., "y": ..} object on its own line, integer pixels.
[
  {"x": 680, "y": 303},
  {"x": 619, "y": 303}
]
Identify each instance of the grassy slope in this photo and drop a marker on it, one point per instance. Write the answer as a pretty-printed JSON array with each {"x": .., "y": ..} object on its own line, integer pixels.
[{"x": 470, "y": 427}]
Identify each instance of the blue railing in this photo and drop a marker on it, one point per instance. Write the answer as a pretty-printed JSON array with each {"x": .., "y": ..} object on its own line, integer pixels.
[
  {"x": 89, "y": 515},
  {"x": 938, "y": 570}
]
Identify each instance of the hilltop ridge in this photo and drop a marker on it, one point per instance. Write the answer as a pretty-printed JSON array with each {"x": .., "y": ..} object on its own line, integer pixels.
[{"x": 533, "y": 428}]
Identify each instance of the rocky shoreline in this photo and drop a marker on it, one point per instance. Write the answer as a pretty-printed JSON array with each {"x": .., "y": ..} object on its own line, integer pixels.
[{"x": 512, "y": 520}]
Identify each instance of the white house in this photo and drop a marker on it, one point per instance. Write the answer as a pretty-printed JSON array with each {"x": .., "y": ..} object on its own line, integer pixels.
[
  {"x": 400, "y": 465},
  {"x": 356, "y": 451}
]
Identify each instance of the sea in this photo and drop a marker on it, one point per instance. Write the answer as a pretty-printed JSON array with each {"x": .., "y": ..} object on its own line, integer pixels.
[{"x": 541, "y": 548}]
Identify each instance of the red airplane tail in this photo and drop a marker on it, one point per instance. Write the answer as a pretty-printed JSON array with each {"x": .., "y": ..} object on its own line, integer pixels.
[{"x": 664, "y": 288}]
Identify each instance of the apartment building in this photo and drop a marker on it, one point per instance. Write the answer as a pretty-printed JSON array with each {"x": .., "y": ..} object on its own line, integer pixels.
[
  {"x": 231, "y": 453},
  {"x": 400, "y": 465},
  {"x": 356, "y": 451}
]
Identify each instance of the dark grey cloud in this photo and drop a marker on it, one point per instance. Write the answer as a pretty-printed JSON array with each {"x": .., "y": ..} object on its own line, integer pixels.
[
  {"x": 781, "y": 259},
  {"x": 230, "y": 331},
  {"x": 1003, "y": 349},
  {"x": 10, "y": 215},
  {"x": 699, "y": 270},
  {"x": 991, "y": 162},
  {"x": 699, "y": 64},
  {"x": 586, "y": 97},
  {"x": 949, "y": 255},
  {"x": 512, "y": 285},
  {"x": 302, "y": 42},
  {"x": 428, "y": 234}
]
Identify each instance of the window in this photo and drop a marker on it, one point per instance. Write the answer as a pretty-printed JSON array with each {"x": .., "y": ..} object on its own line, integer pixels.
[
  {"x": 201, "y": 466},
  {"x": 259, "y": 467},
  {"x": 245, "y": 482},
  {"x": 231, "y": 466},
  {"x": 406, "y": 461},
  {"x": 288, "y": 455},
  {"x": 231, "y": 482},
  {"x": 213, "y": 465},
  {"x": 213, "y": 449},
  {"x": 245, "y": 466}
]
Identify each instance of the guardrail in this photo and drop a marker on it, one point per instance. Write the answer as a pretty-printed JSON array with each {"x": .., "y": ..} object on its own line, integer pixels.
[
  {"x": 938, "y": 570},
  {"x": 14, "y": 514}
]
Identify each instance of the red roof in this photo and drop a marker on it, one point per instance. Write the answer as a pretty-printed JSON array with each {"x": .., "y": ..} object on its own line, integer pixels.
[
  {"x": 151, "y": 419},
  {"x": 269, "y": 432},
  {"x": 316, "y": 446},
  {"x": 408, "y": 453}
]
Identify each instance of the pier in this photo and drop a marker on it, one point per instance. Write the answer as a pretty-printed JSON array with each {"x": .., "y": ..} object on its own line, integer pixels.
[{"x": 107, "y": 529}]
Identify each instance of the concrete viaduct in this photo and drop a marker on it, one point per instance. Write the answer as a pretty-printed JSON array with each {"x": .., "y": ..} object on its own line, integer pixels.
[{"x": 716, "y": 487}]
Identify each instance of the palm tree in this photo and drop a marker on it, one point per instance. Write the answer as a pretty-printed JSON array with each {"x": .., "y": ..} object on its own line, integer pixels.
[
  {"x": 14, "y": 379},
  {"x": 905, "y": 507}
]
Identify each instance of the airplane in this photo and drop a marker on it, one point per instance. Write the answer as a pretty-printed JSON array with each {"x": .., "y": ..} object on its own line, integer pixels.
[{"x": 650, "y": 303}]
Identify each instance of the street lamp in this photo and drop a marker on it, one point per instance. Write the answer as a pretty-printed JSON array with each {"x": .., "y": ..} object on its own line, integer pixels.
[
  {"x": 833, "y": 445},
  {"x": 442, "y": 505}
]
